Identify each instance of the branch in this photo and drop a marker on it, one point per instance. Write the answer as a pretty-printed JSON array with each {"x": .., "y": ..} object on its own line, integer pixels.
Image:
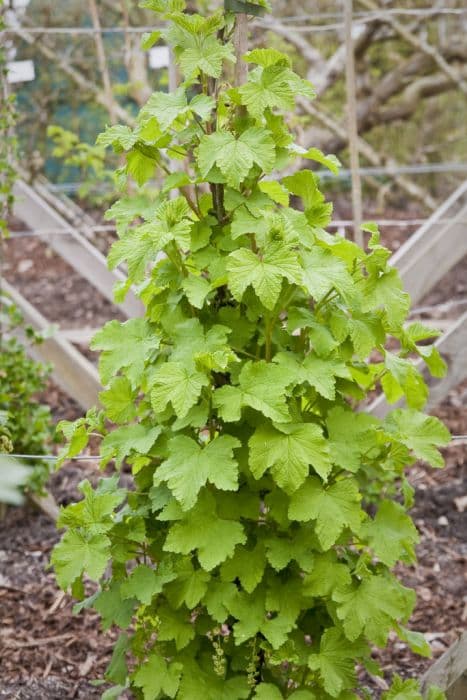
[
  {"x": 78, "y": 78},
  {"x": 102, "y": 61},
  {"x": 428, "y": 86},
  {"x": 372, "y": 156},
  {"x": 420, "y": 44}
]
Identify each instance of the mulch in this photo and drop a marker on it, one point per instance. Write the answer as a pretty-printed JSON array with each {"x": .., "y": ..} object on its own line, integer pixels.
[{"x": 47, "y": 653}]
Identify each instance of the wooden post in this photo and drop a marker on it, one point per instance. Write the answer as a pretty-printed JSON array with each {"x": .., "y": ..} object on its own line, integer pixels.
[
  {"x": 450, "y": 671},
  {"x": 352, "y": 123},
  {"x": 241, "y": 47}
]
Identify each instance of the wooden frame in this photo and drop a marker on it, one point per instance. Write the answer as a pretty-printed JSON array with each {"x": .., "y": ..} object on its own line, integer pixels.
[
  {"x": 435, "y": 248},
  {"x": 71, "y": 370},
  {"x": 73, "y": 247}
]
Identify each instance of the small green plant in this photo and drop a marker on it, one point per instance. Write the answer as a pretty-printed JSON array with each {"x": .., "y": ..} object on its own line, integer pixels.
[
  {"x": 26, "y": 425},
  {"x": 91, "y": 161},
  {"x": 253, "y": 557}
]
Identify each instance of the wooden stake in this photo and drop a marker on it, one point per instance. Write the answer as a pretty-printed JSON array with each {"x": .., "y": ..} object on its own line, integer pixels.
[
  {"x": 352, "y": 123},
  {"x": 240, "y": 40}
]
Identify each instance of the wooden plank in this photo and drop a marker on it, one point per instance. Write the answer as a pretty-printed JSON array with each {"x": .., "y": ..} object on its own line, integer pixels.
[
  {"x": 452, "y": 347},
  {"x": 71, "y": 370},
  {"x": 450, "y": 671},
  {"x": 80, "y": 336},
  {"x": 71, "y": 246},
  {"x": 435, "y": 248}
]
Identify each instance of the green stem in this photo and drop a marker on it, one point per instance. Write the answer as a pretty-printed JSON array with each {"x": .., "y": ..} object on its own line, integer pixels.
[
  {"x": 327, "y": 297},
  {"x": 268, "y": 338},
  {"x": 175, "y": 257},
  {"x": 244, "y": 352}
]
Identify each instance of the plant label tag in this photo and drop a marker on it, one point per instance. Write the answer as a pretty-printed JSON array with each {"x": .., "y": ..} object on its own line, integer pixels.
[
  {"x": 159, "y": 57},
  {"x": 21, "y": 71}
]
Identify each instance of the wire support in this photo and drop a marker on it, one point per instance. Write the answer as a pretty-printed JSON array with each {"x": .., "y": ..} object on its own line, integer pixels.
[
  {"x": 337, "y": 223},
  {"x": 94, "y": 458},
  {"x": 268, "y": 23}
]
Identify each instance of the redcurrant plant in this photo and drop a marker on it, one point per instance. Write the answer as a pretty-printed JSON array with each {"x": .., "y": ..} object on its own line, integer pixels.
[{"x": 252, "y": 557}]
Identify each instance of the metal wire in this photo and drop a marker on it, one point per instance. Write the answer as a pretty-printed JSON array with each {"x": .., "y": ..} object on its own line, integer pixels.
[
  {"x": 337, "y": 223},
  {"x": 90, "y": 458},
  {"x": 359, "y": 17}
]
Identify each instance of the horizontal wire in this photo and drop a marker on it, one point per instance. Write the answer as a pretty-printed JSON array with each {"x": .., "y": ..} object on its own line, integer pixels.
[
  {"x": 89, "y": 458},
  {"x": 402, "y": 223},
  {"x": 416, "y": 12},
  {"x": 359, "y": 17}
]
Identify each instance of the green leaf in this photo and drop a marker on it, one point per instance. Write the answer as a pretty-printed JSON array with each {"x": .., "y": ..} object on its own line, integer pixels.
[
  {"x": 331, "y": 162},
  {"x": 251, "y": 613},
  {"x": 144, "y": 583},
  {"x": 385, "y": 291},
  {"x": 201, "y": 529},
  {"x": 127, "y": 439},
  {"x": 119, "y": 401},
  {"x": 372, "y": 607},
  {"x": 139, "y": 247},
  {"x": 323, "y": 271},
  {"x": 149, "y": 39},
  {"x": 175, "y": 625},
  {"x": 156, "y": 676},
  {"x": 189, "y": 467},
  {"x": 95, "y": 511},
  {"x": 403, "y": 690},
  {"x": 267, "y": 88},
  {"x": 178, "y": 385},
  {"x": 267, "y": 691},
  {"x": 262, "y": 386},
  {"x": 333, "y": 508},
  {"x": 304, "y": 184},
  {"x": 327, "y": 575},
  {"x": 351, "y": 436},
  {"x": 433, "y": 360},
  {"x": 166, "y": 107},
  {"x": 196, "y": 289},
  {"x": 391, "y": 534},
  {"x": 289, "y": 451},
  {"x": 276, "y": 191},
  {"x": 322, "y": 340},
  {"x": 264, "y": 272},
  {"x": 266, "y": 57},
  {"x": 403, "y": 379},
  {"x": 420, "y": 433},
  {"x": 206, "y": 55},
  {"x": 140, "y": 166},
  {"x": 118, "y": 135},
  {"x": 126, "y": 346},
  {"x": 247, "y": 566},
  {"x": 415, "y": 640},
  {"x": 113, "y": 609},
  {"x": 189, "y": 586},
  {"x": 77, "y": 553},
  {"x": 236, "y": 157},
  {"x": 117, "y": 670},
  {"x": 318, "y": 373},
  {"x": 336, "y": 661},
  {"x": 281, "y": 551}
]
